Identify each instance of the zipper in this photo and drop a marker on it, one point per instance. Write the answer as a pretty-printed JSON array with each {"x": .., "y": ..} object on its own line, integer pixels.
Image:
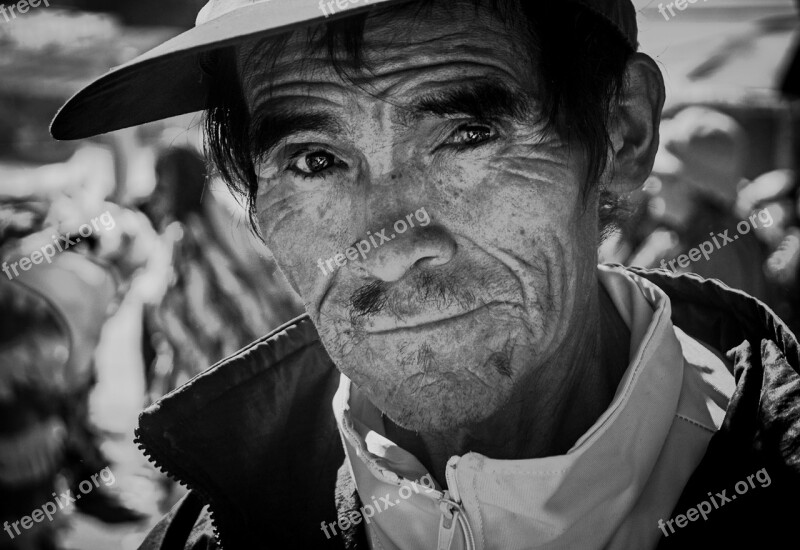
[
  {"x": 453, "y": 513},
  {"x": 177, "y": 474}
]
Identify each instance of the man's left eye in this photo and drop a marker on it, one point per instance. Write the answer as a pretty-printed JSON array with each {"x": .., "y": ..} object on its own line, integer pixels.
[{"x": 472, "y": 134}]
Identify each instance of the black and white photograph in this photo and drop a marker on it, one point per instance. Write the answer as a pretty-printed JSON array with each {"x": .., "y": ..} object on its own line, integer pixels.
[{"x": 399, "y": 274}]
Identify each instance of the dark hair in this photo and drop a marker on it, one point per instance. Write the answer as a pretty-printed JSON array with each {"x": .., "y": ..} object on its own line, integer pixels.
[{"x": 580, "y": 59}]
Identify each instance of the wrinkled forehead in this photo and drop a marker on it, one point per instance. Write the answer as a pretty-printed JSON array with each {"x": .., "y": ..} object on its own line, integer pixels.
[{"x": 395, "y": 45}]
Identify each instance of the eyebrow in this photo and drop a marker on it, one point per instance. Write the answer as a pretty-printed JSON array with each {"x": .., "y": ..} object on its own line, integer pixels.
[
  {"x": 271, "y": 125},
  {"x": 480, "y": 100}
]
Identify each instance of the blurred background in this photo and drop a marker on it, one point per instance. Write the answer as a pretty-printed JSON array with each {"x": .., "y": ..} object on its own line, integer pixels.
[{"x": 167, "y": 279}]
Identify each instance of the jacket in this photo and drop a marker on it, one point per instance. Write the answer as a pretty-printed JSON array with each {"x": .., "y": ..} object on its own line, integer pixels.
[{"x": 255, "y": 441}]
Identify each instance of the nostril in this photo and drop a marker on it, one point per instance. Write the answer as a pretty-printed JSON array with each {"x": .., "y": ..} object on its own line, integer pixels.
[{"x": 436, "y": 246}]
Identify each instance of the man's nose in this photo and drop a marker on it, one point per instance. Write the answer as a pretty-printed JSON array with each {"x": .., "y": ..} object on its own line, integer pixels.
[{"x": 419, "y": 246}]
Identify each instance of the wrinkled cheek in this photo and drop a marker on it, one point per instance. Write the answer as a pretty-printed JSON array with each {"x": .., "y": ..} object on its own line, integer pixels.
[
  {"x": 299, "y": 236},
  {"x": 284, "y": 251}
]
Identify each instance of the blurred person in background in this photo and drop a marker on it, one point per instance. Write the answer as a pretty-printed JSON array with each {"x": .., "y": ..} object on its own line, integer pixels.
[
  {"x": 691, "y": 196},
  {"x": 775, "y": 192},
  {"x": 53, "y": 314},
  {"x": 32, "y": 430},
  {"x": 216, "y": 289}
]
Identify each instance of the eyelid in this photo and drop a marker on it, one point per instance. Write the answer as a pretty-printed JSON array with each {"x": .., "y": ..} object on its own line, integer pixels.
[
  {"x": 490, "y": 126},
  {"x": 310, "y": 147}
]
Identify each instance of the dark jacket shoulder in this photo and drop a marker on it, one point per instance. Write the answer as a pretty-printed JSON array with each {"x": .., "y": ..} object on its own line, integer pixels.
[{"x": 254, "y": 437}]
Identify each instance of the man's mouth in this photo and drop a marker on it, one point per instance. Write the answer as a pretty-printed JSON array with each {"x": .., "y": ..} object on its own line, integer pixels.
[{"x": 427, "y": 320}]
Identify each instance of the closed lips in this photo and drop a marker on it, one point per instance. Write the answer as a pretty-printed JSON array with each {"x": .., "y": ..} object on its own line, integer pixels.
[{"x": 384, "y": 324}]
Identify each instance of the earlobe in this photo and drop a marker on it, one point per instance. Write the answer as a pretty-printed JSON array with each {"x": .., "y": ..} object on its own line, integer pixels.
[{"x": 634, "y": 128}]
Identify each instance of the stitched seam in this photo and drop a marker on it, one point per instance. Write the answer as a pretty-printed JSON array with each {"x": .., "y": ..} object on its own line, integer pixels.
[
  {"x": 696, "y": 423},
  {"x": 480, "y": 513}
]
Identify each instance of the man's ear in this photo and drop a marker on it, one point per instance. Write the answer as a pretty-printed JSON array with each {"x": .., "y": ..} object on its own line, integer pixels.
[{"x": 634, "y": 127}]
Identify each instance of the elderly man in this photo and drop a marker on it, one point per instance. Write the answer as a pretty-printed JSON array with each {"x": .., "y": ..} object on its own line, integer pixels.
[{"x": 476, "y": 381}]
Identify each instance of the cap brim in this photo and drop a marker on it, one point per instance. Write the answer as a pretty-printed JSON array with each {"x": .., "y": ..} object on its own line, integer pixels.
[{"x": 168, "y": 81}]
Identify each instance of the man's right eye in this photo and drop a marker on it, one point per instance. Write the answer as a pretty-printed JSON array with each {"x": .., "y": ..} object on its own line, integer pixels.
[{"x": 313, "y": 163}]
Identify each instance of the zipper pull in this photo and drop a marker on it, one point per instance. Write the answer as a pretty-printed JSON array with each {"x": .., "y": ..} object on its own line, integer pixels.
[{"x": 448, "y": 522}]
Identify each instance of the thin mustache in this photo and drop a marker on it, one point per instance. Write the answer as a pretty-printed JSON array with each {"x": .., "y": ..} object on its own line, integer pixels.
[
  {"x": 441, "y": 291},
  {"x": 368, "y": 299}
]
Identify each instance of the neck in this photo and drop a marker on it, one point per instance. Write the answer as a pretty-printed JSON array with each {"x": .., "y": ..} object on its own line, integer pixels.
[{"x": 556, "y": 406}]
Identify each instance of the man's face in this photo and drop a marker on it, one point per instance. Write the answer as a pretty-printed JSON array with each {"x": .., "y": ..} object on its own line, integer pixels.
[{"x": 441, "y": 325}]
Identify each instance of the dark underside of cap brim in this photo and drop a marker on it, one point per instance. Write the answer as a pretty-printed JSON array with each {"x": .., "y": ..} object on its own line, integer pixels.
[
  {"x": 164, "y": 82},
  {"x": 168, "y": 81},
  {"x": 134, "y": 95}
]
